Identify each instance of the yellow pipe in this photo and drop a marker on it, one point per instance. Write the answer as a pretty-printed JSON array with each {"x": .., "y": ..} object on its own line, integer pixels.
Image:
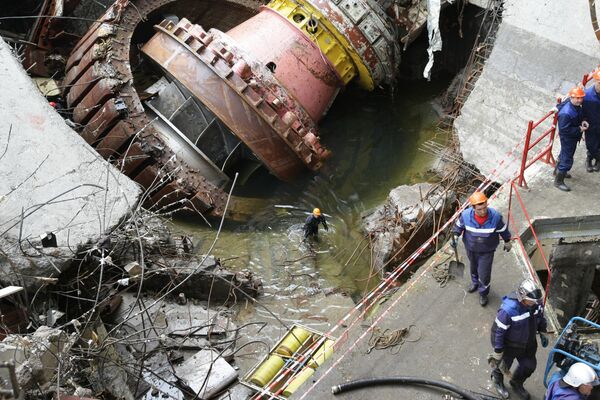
[
  {"x": 292, "y": 341},
  {"x": 267, "y": 370},
  {"x": 322, "y": 354},
  {"x": 298, "y": 380}
]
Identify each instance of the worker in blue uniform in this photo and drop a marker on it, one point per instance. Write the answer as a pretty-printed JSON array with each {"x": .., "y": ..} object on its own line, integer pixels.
[
  {"x": 513, "y": 336},
  {"x": 570, "y": 129},
  {"x": 311, "y": 225},
  {"x": 577, "y": 384},
  {"x": 591, "y": 114},
  {"x": 482, "y": 226}
]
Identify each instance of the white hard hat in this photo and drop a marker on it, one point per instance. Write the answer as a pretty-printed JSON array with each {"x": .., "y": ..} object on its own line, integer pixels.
[{"x": 581, "y": 374}]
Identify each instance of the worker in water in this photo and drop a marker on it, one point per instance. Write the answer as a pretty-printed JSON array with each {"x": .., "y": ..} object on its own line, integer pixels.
[
  {"x": 311, "y": 225},
  {"x": 482, "y": 226},
  {"x": 519, "y": 319},
  {"x": 577, "y": 384},
  {"x": 591, "y": 114},
  {"x": 570, "y": 129}
]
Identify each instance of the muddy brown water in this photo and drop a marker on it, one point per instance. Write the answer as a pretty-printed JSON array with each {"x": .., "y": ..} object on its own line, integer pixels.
[{"x": 374, "y": 139}]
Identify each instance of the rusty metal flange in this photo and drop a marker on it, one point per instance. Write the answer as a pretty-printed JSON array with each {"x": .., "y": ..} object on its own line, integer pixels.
[
  {"x": 222, "y": 79},
  {"x": 369, "y": 30},
  {"x": 99, "y": 88}
]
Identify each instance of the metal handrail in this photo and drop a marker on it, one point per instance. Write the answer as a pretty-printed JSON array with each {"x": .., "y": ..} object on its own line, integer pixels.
[{"x": 546, "y": 151}]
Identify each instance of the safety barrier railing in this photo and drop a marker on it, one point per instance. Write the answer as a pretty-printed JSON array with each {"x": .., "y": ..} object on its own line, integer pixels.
[
  {"x": 511, "y": 217},
  {"x": 546, "y": 153}
]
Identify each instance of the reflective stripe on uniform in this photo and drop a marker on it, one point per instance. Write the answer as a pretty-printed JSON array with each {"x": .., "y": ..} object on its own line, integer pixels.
[
  {"x": 501, "y": 325},
  {"x": 520, "y": 317},
  {"x": 503, "y": 228},
  {"x": 479, "y": 230}
]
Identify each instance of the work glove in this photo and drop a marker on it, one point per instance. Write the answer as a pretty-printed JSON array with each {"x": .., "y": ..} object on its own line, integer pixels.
[
  {"x": 507, "y": 246},
  {"x": 543, "y": 340},
  {"x": 494, "y": 359},
  {"x": 453, "y": 241},
  {"x": 497, "y": 355},
  {"x": 584, "y": 126}
]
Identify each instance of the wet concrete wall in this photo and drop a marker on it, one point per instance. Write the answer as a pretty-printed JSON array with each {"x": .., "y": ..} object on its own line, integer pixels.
[
  {"x": 573, "y": 267},
  {"x": 542, "y": 50},
  {"x": 50, "y": 181}
]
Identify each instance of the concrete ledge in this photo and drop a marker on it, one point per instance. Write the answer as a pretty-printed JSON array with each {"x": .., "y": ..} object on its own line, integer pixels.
[{"x": 50, "y": 181}]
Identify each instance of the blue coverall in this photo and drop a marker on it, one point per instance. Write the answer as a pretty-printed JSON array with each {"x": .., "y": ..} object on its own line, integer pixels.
[
  {"x": 514, "y": 333},
  {"x": 569, "y": 120},
  {"x": 480, "y": 244},
  {"x": 559, "y": 390},
  {"x": 591, "y": 113},
  {"x": 311, "y": 225}
]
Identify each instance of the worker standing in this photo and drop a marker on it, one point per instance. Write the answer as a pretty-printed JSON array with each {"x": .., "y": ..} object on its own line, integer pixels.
[
  {"x": 591, "y": 114},
  {"x": 570, "y": 129},
  {"x": 482, "y": 227},
  {"x": 577, "y": 384},
  {"x": 513, "y": 336},
  {"x": 311, "y": 225}
]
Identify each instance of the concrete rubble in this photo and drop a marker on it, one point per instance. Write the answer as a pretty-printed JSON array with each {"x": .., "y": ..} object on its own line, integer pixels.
[
  {"x": 399, "y": 226},
  {"x": 90, "y": 261},
  {"x": 50, "y": 181}
]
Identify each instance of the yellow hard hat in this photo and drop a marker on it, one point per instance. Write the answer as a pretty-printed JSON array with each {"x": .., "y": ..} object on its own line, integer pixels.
[{"x": 317, "y": 212}]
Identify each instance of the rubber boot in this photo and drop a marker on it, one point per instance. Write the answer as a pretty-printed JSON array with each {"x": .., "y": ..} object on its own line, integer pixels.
[
  {"x": 567, "y": 175},
  {"x": 596, "y": 166},
  {"x": 483, "y": 300},
  {"x": 472, "y": 287},
  {"x": 499, "y": 384},
  {"x": 519, "y": 389},
  {"x": 559, "y": 182},
  {"x": 589, "y": 167}
]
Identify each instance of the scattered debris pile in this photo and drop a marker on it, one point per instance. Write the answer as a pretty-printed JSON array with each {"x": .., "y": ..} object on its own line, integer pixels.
[
  {"x": 399, "y": 226},
  {"x": 136, "y": 313}
]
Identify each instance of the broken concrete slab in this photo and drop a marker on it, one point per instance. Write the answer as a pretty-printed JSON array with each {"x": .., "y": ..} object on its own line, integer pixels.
[
  {"x": 206, "y": 373},
  {"x": 37, "y": 356},
  {"x": 203, "y": 279},
  {"x": 50, "y": 181},
  {"x": 399, "y": 226},
  {"x": 196, "y": 320},
  {"x": 160, "y": 375}
]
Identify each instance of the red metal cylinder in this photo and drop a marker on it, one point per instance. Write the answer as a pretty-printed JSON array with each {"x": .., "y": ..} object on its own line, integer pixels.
[{"x": 297, "y": 62}]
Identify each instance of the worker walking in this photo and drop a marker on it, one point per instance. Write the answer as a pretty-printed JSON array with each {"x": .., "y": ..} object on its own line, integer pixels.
[
  {"x": 570, "y": 129},
  {"x": 482, "y": 227},
  {"x": 577, "y": 384},
  {"x": 591, "y": 114},
  {"x": 513, "y": 336},
  {"x": 311, "y": 225}
]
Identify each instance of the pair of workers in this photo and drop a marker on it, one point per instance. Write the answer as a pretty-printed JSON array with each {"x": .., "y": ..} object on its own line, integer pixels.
[
  {"x": 520, "y": 318},
  {"x": 578, "y": 115},
  {"x": 521, "y": 314}
]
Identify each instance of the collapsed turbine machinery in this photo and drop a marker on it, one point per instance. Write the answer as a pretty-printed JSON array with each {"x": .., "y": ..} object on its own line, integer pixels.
[{"x": 213, "y": 103}]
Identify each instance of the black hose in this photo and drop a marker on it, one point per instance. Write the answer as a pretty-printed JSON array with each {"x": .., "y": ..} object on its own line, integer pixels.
[{"x": 402, "y": 380}]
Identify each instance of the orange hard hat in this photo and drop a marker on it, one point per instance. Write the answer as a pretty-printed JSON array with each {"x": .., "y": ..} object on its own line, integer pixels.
[
  {"x": 477, "y": 198},
  {"x": 317, "y": 212},
  {"x": 576, "y": 92},
  {"x": 596, "y": 74}
]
